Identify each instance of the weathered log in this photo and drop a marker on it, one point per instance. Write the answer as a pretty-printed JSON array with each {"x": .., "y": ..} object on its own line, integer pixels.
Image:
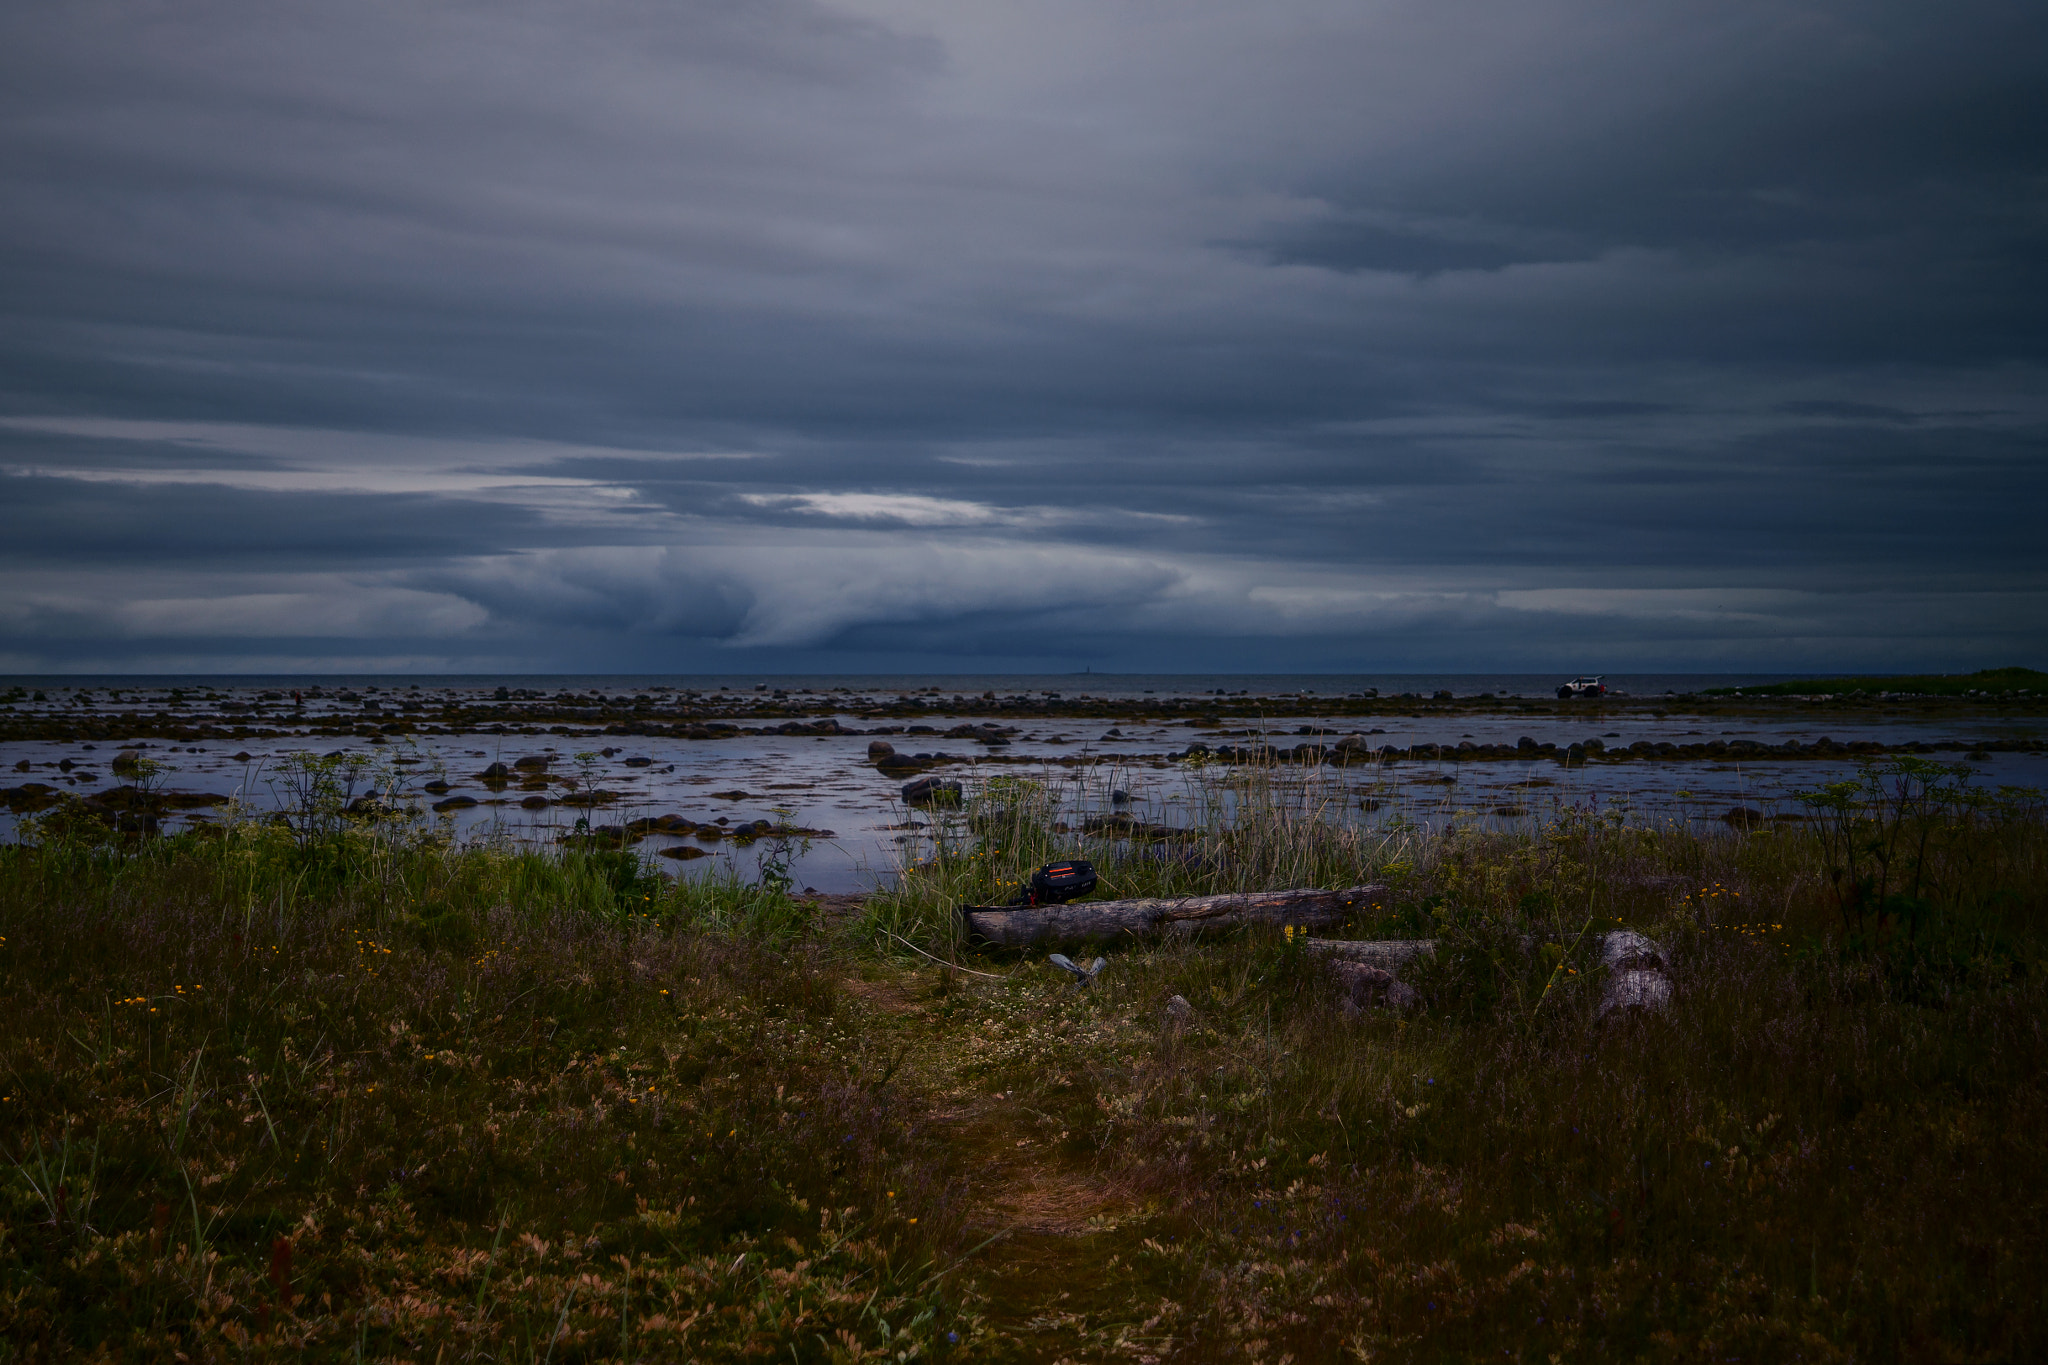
[{"x": 1019, "y": 926}]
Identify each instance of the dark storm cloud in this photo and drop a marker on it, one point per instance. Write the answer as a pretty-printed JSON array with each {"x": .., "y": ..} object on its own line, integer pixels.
[
  {"x": 881, "y": 330},
  {"x": 50, "y": 521}
]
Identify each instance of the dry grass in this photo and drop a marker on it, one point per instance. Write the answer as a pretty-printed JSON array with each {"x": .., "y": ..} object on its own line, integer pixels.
[{"x": 490, "y": 1132}]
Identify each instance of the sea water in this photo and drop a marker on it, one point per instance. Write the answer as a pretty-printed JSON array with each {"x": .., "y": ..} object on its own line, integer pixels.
[{"x": 826, "y": 782}]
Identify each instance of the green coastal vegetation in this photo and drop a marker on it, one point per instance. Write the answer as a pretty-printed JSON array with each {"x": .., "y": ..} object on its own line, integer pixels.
[
  {"x": 332, "y": 1087},
  {"x": 1986, "y": 682}
]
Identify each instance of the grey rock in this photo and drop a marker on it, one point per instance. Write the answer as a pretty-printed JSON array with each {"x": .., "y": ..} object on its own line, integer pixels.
[
  {"x": 1627, "y": 950},
  {"x": 931, "y": 791},
  {"x": 1361, "y": 985}
]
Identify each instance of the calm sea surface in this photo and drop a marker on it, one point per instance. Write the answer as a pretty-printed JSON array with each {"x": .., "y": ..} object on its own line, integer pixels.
[{"x": 1099, "y": 684}]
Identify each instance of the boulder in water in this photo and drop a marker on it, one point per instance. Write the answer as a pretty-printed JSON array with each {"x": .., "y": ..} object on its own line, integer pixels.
[{"x": 932, "y": 791}]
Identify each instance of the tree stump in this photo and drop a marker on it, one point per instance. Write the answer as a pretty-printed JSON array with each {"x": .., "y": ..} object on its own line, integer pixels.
[{"x": 1636, "y": 980}]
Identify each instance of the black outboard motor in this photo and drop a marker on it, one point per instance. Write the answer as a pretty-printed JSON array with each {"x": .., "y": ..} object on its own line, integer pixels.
[{"x": 1058, "y": 883}]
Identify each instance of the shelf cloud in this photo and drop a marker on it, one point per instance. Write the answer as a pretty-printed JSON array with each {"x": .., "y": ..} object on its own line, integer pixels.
[{"x": 691, "y": 336}]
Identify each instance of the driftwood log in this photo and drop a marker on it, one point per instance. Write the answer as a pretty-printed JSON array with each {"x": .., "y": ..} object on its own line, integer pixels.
[{"x": 1020, "y": 926}]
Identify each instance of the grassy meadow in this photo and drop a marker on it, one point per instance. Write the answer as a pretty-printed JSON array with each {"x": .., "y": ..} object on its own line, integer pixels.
[{"x": 335, "y": 1089}]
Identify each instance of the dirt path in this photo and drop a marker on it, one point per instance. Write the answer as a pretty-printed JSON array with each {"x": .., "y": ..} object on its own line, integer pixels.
[{"x": 1059, "y": 1230}]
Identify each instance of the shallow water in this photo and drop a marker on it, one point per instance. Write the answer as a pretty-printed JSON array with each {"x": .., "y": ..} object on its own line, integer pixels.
[{"x": 826, "y": 782}]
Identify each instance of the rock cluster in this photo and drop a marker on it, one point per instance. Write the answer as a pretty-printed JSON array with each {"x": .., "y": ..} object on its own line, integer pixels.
[
  {"x": 678, "y": 826},
  {"x": 124, "y": 809}
]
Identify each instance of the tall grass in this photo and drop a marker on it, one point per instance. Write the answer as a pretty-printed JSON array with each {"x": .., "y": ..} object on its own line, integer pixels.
[
  {"x": 346, "y": 1098},
  {"x": 1236, "y": 828}
]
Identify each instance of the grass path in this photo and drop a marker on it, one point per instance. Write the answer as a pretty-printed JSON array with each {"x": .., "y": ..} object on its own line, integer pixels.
[{"x": 1054, "y": 1229}]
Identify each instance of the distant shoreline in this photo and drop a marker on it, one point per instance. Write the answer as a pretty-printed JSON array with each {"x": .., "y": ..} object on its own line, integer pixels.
[{"x": 191, "y": 711}]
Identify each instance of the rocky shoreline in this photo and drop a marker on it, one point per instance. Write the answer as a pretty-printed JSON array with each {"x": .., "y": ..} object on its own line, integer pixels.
[
  {"x": 1352, "y": 750},
  {"x": 110, "y": 727},
  {"x": 199, "y": 714},
  {"x": 127, "y": 806}
]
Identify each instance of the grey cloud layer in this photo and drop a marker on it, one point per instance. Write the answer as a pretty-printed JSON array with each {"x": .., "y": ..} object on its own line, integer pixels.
[{"x": 1309, "y": 334}]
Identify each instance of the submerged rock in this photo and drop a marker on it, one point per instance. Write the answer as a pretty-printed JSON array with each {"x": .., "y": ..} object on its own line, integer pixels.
[{"x": 932, "y": 791}]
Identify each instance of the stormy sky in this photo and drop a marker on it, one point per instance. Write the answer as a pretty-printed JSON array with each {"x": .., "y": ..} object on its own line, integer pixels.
[{"x": 726, "y": 335}]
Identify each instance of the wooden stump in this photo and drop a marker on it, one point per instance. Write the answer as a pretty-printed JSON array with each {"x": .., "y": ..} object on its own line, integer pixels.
[{"x": 1636, "y": 983}]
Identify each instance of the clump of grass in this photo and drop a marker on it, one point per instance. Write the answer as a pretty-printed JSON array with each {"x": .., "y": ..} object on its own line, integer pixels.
[
  {"x": 1233, "y": 828},
  {"x": 470, "y": 1101}
]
